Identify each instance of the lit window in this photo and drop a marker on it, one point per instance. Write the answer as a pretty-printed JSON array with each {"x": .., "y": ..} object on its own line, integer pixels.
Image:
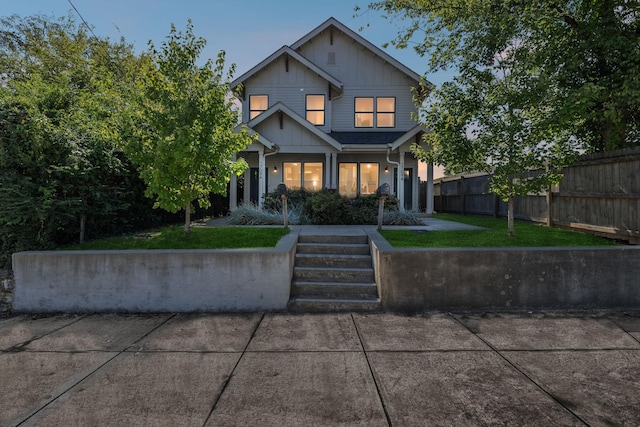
[
  {"x": 306, "y": 175},
  {"x": 354, "y": 179},
  {"x": 315, "y": 109},
  {"x": 257, "y": 105},
  {"x": 348, "y": 179},
  {"x": 292, "y": 175},
  {"x": 368, "y": 178},
  {"x": 385, "y": 112},
  {"x": 364, "y": 112},
  {"x": 312, "y": 176}
]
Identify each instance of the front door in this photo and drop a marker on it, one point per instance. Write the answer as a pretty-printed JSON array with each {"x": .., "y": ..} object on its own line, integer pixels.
[
  {"x": 254, "y": 179},
  {"x": 408, "y": 187}
]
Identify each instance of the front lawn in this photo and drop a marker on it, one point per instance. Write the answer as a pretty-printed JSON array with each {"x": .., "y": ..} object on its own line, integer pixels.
[
  {"x": 199, "y": 238},
  {"x": 495, "y": 235}
]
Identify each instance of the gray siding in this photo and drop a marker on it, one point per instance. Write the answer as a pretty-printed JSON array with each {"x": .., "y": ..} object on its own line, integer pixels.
[
  {"x": 292, "y": 137},
  {"x": 362, "y": 73},
  {"x": 290, "y": 88}
]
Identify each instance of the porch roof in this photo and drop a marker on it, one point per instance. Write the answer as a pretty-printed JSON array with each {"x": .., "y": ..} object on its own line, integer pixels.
[{"x": 366, "y": 138}]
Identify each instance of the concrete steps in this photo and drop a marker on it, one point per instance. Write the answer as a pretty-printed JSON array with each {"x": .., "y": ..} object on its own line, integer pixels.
[{"x": 333, "y": 273}]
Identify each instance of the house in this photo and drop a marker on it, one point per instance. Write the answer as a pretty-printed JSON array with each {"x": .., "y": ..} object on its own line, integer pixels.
[{"x": 330, "y": 111}]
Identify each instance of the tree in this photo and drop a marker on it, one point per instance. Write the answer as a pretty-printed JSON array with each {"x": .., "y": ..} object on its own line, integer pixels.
[
  {"x": 60, "y": 165},
  {"x": 519, "y": 110},
  {"x": 487, "y": 122},
  {"x": 186, "y": 140},
  {"x": 588, "y": 49}
]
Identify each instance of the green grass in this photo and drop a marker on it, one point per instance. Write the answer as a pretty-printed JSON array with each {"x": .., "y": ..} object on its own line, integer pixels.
[
  {"x": 495, "y": 235},
  {"x": 199, "y": 238}
]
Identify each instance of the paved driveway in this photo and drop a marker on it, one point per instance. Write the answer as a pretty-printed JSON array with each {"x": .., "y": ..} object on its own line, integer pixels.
[{"x": 328, "y": 369}]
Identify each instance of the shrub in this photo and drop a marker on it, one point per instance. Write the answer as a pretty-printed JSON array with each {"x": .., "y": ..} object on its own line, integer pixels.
[
  {"x": 401, "y": 218},
  {"x": 250, "y": 214},
  {"x": 328, "y": 207}
]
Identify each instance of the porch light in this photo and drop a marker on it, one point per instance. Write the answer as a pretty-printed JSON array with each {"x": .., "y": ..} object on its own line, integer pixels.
[
  {"x": 386, "y": 169},
  {"x": 275, "y": 169}
]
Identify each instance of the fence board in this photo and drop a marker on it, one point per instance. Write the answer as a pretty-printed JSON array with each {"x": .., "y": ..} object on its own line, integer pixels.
[{"x": 600, "y": 193}]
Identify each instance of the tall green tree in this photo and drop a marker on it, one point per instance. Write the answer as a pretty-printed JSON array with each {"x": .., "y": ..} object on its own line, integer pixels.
[
  {"x": 485, "y": 121},
  {"x": 186, "y": 140},
  {"x": 538, "y": 82},
  {"x": 589, "y": 49},
  {"x": 60, "y": 165}
]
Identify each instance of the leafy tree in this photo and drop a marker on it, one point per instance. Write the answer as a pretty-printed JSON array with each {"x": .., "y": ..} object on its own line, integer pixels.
[
  {"x": 536, "y": 85},
  {"x": 186, "y": 139},
  {"x": 588, "y": 49},
  {"x": 60, "y": 168},
  {"x": 483, "y": 121}
]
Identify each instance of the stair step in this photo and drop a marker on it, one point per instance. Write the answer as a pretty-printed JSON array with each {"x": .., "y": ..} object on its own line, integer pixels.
[
  {"x": 334, "y": 290},
  {"x": 332, "y": 248},
  {"x": 324, "y": 305},
  {"x": 332, "y": 260},
  {"x": 361, "y": 239},
  {"x": 328, "y": 274}
]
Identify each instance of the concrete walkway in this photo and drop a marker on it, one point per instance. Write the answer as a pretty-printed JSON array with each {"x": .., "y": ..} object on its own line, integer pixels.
[
  {"x": 428, "y": 224},
  {"x": 279, "y": 369}
]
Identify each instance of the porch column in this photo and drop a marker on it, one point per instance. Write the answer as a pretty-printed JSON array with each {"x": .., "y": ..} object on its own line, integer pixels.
[
  {"x": 401, "y": 181},
  {"x": 261, "y": 178},
  {"x": 334, "y": 171},
  {"x": 429, "y": 201},
  {"x": 327, "y": 171},
  {"x": 233, "y": 190}
]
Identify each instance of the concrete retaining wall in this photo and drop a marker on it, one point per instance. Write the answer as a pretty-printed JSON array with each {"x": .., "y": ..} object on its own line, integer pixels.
[
  {"x": 6, "y": 291},
  {"x": 506, "y": 279},
  {"x": 260, "y": 279},
  {"x": 147, "y": 281}
]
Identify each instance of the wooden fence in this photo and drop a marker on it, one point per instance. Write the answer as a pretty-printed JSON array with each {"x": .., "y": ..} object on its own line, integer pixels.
[{"x": 599, "y": 194}]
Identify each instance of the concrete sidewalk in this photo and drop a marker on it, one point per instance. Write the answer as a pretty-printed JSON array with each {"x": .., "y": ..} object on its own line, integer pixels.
[{"x": 279, "y": 369}]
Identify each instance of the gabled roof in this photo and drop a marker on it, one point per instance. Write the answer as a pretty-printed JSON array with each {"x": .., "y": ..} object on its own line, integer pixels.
[
  {"x": 280, "y": 107},
  {"x": 332, "y": 22},
  {"x": 406, "y": 136},
  {"x": 286, "y": 50},
  {"x": 261, "y": 139}
]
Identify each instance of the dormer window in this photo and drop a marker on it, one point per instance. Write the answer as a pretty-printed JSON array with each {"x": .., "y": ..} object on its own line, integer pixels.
[
  {"x": 315, "y": 109},
  {"x": 375, "y": 112},
  {"x": 257, "y": 104}
]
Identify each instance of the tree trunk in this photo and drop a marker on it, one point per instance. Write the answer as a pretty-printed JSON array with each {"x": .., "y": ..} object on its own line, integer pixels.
[
  {"x": 187, "y": 218},
  {"x": 83, "y": 219},
  {"x": 511, "y": 227}
]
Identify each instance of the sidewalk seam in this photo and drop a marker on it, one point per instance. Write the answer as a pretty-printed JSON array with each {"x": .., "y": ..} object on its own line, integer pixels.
[
  {"x": 373, "y": 375},
  {"x": 226, "y": 382},
  {"x": 518, "y": 369},
  {"x": 117, "y": 353}
]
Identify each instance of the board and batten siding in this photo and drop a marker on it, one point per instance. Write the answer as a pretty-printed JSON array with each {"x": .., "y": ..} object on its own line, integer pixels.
[
  {"x": 363, "y": 74},
  {"x": 355, "y": 65},
  {"x": 292, "y": 138},
  {"x": 289, "y": 88}
]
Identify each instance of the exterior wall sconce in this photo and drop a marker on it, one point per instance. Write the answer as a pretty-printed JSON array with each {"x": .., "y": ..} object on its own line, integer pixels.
[
  {"x": 275, "y": 169},
  {"x": 386, "y": 169}
]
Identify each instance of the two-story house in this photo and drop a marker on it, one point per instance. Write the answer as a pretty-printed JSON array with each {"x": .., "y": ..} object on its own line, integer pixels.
[{"x": 331, "y": 111}]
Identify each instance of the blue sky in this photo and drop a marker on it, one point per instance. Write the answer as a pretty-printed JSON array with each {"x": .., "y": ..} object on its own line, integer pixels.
[{"x": 248, "y": 30}]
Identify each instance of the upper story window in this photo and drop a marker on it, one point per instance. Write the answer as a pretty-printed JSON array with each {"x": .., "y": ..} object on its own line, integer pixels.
[
  {"x": 257, "y": 104},
  {"x": 364, "y": 112},
  {"x": 385, "y": 112},
  {"x": 375, "y": 112},
  {"x": 315, "y": 109}
]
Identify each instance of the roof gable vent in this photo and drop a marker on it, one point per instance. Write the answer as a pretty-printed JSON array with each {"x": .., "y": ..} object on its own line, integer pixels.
[{"x": 331, "y": 58}]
